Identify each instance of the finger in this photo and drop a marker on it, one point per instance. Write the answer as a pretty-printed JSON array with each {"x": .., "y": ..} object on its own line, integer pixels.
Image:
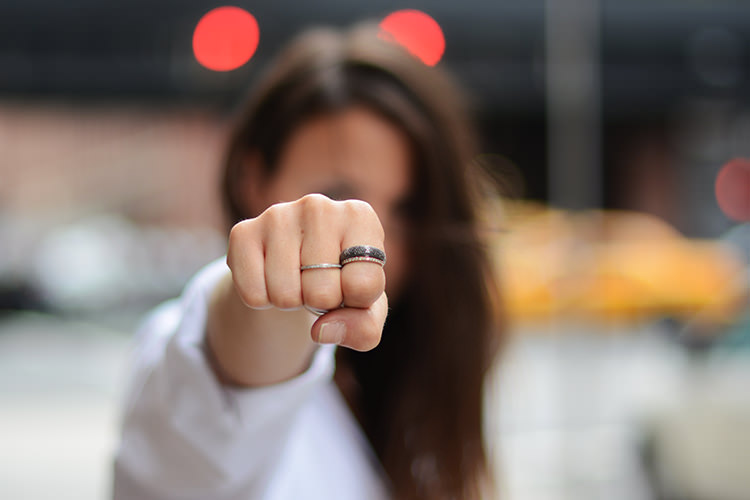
[
  {"x": 358, "y": 329},
  {"x": 321, "y": 288},
  {"x": 245, "y": 259},
  {"x": 282, "y": 240},
  {"x": 362, "y": 282}
]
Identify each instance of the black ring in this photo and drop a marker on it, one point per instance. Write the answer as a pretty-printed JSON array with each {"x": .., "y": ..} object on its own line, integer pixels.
[{"x": 362, "y": 253}]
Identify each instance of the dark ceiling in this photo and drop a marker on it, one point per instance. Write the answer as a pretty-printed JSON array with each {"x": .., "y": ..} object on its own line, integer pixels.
[{"x": 652, "y": 53}]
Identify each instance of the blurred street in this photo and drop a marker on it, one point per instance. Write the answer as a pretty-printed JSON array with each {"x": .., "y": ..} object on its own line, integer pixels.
[
  {"x": 578, "y": 411},
  {"x": 60, "y": 383}
]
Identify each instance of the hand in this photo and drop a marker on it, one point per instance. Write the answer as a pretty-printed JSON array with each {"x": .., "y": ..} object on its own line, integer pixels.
[{"x": 265, "y": 255}]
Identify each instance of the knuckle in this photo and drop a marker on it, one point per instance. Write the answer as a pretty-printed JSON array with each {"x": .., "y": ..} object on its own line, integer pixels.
[
  {"x": 359, "y": 208},
  {"x": 316, "y": 208},
  {"x": 286, "y": 299},
  {"x": 253, "y": 297},
  {"x": 276, "y": 214},
  {"x": 271, "y": 213},
  {"x": 364, "y": 289},
  {"x": 238, "y": 232},
  {"x": 365, "y": 215},
  {"x": 314, "y": 200},
  {"x": 279, "y": 219},
  {"x": 323, "y": 297}
]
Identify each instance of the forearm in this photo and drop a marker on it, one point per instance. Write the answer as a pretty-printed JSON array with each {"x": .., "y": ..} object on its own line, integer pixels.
[{"x": 251, "y": 347}]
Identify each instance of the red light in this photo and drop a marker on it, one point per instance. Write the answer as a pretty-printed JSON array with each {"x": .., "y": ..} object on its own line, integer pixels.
[
  {"x": 733, "y": 189},
  {"x": 225, "y": 38},
  {"x": 417, "y": 32}
]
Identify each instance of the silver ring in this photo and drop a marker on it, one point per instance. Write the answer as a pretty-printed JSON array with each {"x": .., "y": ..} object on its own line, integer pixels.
[
  {"x": 362, "y": 253},
  {"x": 320, "y": 266},
  {"x": 374, "y": 260},
  {"x": 315, "y": 310}
]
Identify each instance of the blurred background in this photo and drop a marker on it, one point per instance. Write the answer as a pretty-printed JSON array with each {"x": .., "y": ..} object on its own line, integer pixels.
[{"x": 620, "y": 130}]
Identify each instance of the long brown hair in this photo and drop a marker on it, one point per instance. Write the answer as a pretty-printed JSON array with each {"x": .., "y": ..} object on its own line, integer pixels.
[{"x": 419, "y": 394}]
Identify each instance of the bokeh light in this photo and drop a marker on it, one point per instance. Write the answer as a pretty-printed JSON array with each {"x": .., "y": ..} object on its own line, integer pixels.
[
  {"x": 417, "y": 32},
  {"x": 733, "y": 189},
  {"x": 225, "y": 38}
]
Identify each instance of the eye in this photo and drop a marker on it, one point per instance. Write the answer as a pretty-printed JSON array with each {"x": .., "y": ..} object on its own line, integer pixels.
[{"x": 406, "y": 208}]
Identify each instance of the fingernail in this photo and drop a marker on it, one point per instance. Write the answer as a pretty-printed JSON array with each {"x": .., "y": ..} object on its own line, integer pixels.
[{"x": 332, "y": 332}]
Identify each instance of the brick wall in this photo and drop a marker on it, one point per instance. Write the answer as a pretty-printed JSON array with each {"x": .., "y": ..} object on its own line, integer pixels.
[{"x": 154, "y": 165}]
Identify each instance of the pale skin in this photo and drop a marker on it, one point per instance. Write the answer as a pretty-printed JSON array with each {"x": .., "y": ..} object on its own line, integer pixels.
[{"x": 258, "y": 330}]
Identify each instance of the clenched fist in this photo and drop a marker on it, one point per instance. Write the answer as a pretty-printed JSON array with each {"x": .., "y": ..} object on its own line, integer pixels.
[{"x": 265, "y": 255}]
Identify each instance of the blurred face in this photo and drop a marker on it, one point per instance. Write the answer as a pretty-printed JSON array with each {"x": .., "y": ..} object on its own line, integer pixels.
[{"x": 354, "y": 154}]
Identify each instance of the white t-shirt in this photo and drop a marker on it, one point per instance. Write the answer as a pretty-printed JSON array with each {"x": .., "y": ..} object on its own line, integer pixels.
[{"x": 185, "y": 436}]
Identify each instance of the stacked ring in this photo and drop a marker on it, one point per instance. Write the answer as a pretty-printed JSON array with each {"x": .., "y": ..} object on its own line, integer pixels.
[
  {"x": 358, "y": 253},
  {"x": 362, "y": 253}
]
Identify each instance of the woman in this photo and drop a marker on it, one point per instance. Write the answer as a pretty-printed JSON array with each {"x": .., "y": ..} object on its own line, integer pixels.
[{"x": 348, "y": 142}]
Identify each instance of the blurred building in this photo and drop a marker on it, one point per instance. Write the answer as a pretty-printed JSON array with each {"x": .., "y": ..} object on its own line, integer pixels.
[{"x": 664, "y": 89}]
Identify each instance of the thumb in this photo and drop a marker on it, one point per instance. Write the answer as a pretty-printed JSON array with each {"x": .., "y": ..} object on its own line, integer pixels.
[{"x": 358, "y": 329}]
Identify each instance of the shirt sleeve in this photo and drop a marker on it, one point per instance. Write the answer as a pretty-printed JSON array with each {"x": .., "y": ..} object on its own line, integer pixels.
[{"x": 184, "y": 435}]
